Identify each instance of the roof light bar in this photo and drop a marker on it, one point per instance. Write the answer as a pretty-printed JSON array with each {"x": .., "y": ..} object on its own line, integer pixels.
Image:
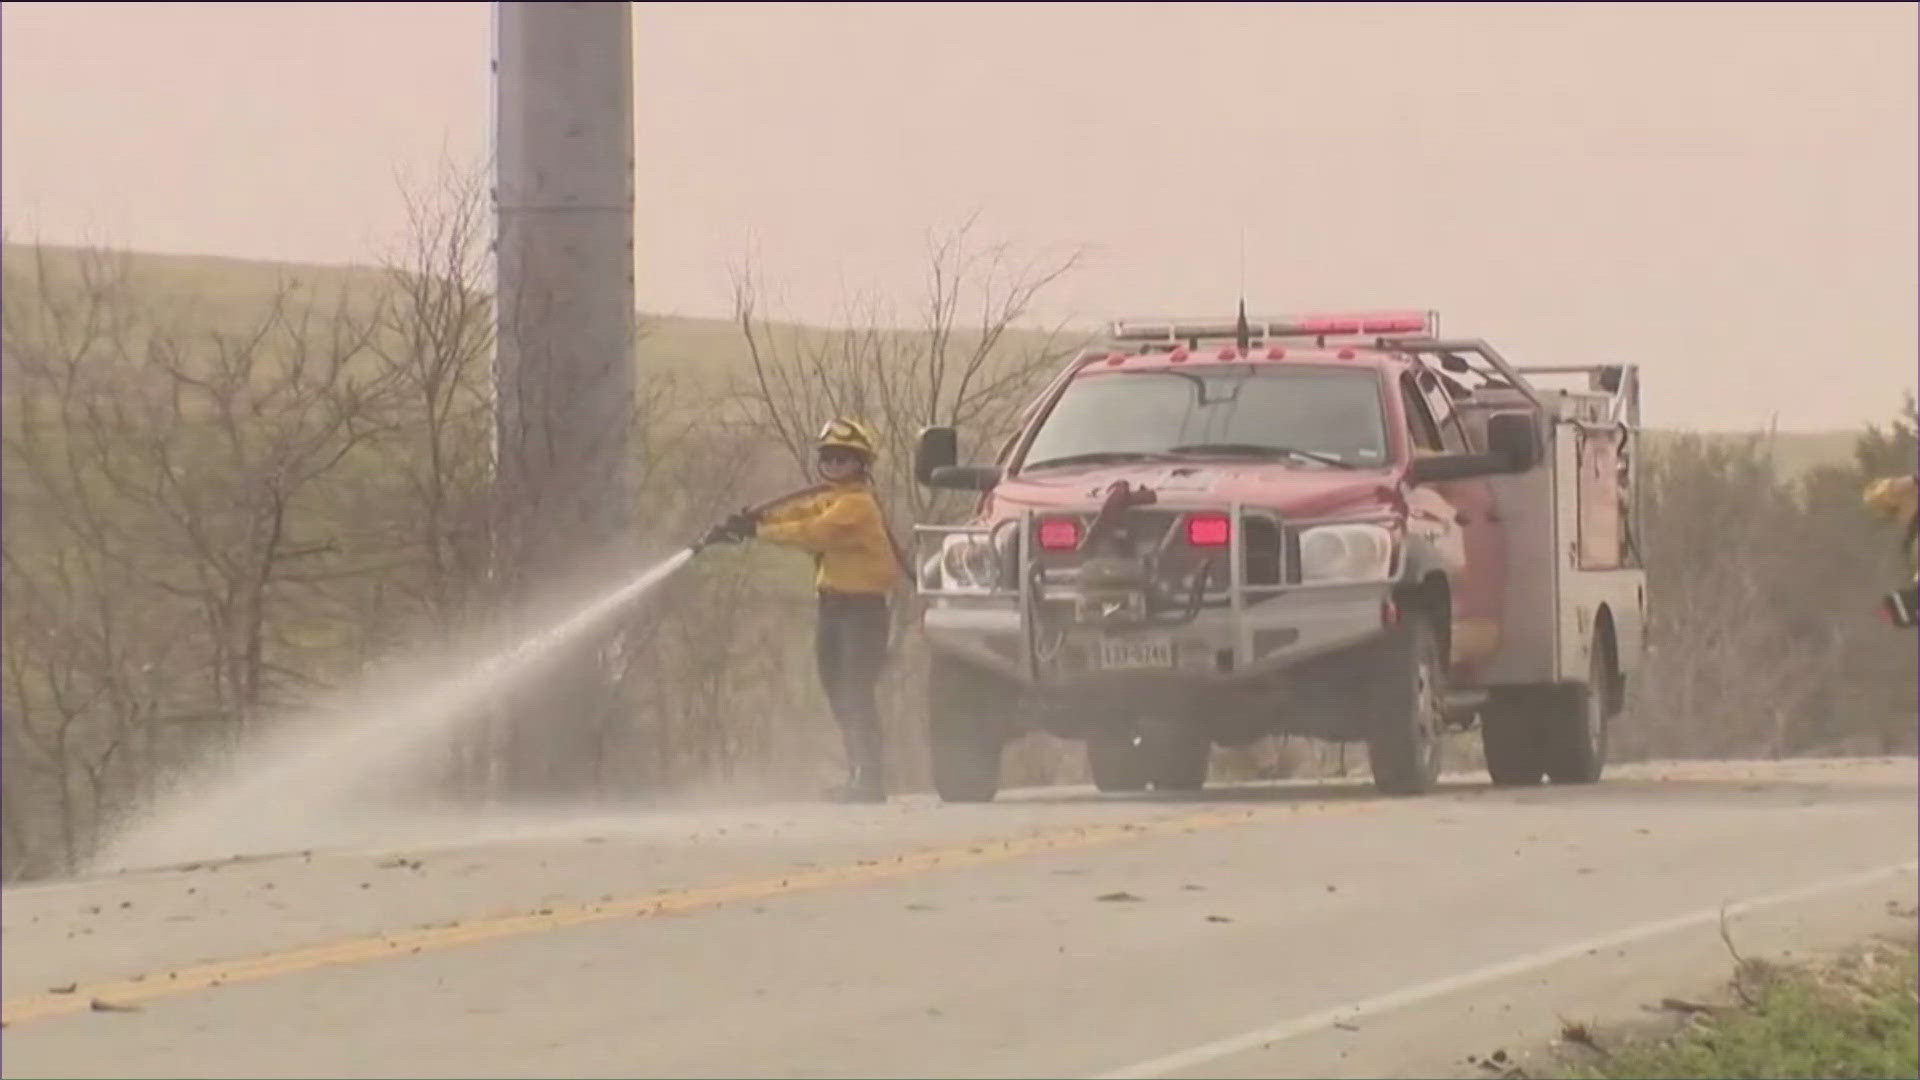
[{"x": 1367, "y": 324}]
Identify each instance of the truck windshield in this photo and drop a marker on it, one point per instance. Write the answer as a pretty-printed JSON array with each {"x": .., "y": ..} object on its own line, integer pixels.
[{"x": 1313, "y": 417}]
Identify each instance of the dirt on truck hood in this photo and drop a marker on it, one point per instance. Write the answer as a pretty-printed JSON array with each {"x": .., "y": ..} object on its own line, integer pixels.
[{"x": 1304, "y": 491}]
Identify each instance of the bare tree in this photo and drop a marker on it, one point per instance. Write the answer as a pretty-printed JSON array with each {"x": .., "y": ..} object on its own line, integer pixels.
[
  {"x": 1761, "y": 588},
  {"x": 963, "y": 358},
  {"x": 435, "y": 340},
  {"x": 250, "y": 425}
]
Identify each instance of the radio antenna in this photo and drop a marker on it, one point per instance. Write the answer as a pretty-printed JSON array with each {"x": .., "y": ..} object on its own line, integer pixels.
[{"x": 1242, "y": 333}]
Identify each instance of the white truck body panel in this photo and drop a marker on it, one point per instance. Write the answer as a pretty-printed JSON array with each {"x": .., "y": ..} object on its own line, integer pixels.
[{"x": 1572, "y": 539}]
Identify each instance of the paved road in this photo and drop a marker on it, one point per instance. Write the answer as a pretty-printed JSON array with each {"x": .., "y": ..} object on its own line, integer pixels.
[{"x": 1294, "y": 929}]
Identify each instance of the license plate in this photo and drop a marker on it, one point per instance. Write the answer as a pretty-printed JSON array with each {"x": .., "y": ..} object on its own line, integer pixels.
[{"x": 1135, "y": 653}]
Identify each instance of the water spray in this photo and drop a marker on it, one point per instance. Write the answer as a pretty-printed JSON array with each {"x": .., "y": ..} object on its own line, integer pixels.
[{"x": 295, "y": 789}]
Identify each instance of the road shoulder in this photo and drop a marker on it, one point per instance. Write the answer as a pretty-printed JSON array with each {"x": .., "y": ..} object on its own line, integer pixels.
[{"x": 1848, "y": 1011}]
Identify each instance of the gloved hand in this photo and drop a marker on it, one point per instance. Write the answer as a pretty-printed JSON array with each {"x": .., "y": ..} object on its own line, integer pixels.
[
  {"x": 744, "y": 524},
  {"x": 740, "y": 526}
]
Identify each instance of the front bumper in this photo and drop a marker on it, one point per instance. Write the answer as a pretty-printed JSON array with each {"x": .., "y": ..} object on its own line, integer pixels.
[
  {"x": 1241, "y": 635},
  {"x": 1218, "y": 647}
]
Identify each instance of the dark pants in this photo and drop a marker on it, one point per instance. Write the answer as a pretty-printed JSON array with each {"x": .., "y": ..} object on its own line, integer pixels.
[{"x": 851, "y": 648}]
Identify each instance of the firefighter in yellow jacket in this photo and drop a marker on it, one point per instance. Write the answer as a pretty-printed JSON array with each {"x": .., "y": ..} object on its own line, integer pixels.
[
  {"x": 840, "y": 524},
  {"x": 1898, "y": 497}
]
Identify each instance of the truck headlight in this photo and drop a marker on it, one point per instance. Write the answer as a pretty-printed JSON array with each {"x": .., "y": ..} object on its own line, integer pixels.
[
  {"x": 1352, "y": 552},
  {"x": 975, "y": 564}
]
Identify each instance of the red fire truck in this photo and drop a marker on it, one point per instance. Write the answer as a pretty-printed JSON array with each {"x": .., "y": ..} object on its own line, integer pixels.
[{"x": 1338, "y": 526}]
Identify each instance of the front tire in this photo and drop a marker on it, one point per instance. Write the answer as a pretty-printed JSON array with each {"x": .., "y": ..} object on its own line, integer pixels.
[
  {"x": 1117, "y": 762},
  {"x": 1404, "y": 736},
  {"x": 1179, "y": 759},
  {"x": 964, "y": 735}
]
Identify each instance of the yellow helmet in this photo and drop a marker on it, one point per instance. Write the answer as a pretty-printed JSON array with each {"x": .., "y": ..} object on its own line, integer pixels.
[{"x": 843, "y": 434}]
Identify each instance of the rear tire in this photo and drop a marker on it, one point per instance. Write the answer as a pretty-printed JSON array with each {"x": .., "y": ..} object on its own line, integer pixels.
[
  {"x": 1117, "y": 762},
  {"x": 1576, "y": 731},
  {"x": 1404, "y": 736},
  {"x": 1511, "y": 738},
  {"x": 964, "y": 734}
]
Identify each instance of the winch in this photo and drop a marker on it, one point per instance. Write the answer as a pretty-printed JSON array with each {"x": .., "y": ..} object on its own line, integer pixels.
[{"x": 1118, "y": 581}]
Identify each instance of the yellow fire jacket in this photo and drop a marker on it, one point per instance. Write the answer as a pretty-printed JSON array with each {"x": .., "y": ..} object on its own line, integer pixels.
[
  {"x": 843, "y": 529},
  {"x": 1896, "y": 497}
]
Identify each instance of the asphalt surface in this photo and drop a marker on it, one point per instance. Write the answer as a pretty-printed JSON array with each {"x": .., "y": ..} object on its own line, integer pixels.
[{"x": 1292, "y": 929}]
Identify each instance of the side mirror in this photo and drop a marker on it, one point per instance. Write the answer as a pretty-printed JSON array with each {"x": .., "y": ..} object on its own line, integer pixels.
[
  {"x": 934, "y": 463},
  {"x": 1511, "y": 436},
  {"x": 939, "y": 448},
  {"x": 1424, "y": 470},
  {"x": 965, "y": 477}
]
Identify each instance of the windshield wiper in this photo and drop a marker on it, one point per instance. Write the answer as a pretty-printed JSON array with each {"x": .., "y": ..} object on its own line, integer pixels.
[
  {"x": 1256, "y": 450},
  {"x": 1095, "y": 457}
]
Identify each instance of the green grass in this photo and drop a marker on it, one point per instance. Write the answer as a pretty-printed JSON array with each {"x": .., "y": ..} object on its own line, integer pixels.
[{"x": 1858, "y": 1018}]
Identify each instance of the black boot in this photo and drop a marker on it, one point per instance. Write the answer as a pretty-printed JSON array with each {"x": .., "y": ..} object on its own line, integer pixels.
[
  {"x": 862, "y": 786},
  {"x": 864, "y": 782}
]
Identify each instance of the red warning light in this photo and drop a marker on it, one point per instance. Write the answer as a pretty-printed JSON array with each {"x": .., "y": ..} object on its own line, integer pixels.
[
  {"x": 1209, "y": 530},
  {"x": 1059, "y": 534},
  {"x": 1393, "y": 324}
]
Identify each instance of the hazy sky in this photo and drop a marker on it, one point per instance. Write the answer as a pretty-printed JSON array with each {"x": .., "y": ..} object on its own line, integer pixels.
[{"x": 1724, "y": 193}]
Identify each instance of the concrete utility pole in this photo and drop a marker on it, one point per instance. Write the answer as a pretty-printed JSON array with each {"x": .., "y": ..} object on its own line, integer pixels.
[{"x": 564, "y": 365}]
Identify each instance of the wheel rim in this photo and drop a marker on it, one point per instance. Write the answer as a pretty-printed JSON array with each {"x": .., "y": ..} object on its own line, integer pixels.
[
  {"x": 1427, "y": 714},
  {"x": 1598, "y": 694}
]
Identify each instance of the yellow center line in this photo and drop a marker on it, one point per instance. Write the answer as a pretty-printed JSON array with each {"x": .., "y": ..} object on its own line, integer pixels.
[{"x": 124, "y": 992}]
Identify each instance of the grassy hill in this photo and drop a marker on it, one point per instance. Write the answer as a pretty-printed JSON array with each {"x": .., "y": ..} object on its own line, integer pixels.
[
  {"x": 702, "y": 353},
  {"x": 223, "y": 293}
]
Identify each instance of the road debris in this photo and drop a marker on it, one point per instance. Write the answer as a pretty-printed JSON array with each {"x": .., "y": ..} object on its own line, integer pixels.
[
  {"x": 1119, "y": 897},
  {"x": 1218, "y": 918},
  {"x": 67, "y": 989},
  {"x": 1578, "y": 1033},
  {"x": 103, "y": 1005},
  {"x": 1682, "y": 1005}
]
